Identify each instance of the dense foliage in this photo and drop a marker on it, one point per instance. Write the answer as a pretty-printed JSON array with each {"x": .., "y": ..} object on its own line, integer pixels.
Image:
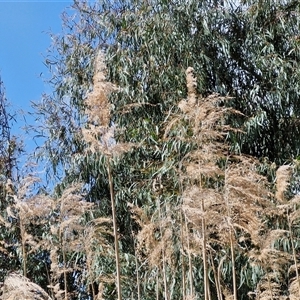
[
  {"x": 162, "y": 137},
  {"x": 8, "y": 172}
]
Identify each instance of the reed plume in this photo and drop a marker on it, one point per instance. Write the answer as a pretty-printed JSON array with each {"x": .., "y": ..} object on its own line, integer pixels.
[
  {"x": 223, "y": 195},
  {"x": 99, "y": 134},
  {"x": 16, "y": 287}
]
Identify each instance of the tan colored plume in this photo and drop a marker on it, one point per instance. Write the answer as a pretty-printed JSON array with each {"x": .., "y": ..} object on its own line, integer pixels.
[
  {"x": 17, "y": 287},
  {"x": 191, "y": 83},
  {"x": 97, "y": 100},
  {"x": 100, "y": 133},
  {"x": 283, "y": 175}
]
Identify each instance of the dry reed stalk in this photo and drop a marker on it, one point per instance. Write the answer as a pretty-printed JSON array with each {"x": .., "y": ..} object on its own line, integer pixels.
[
  {"x": 232, "y": 250},
  {"x": 137, "y": 269},
  {"x": 243, "y": 194},
  {"x": 204, "y": 253},
  {"x": 182, "y": 224},
  {"x": 113, "y": 208},
  {"x": 191, "y": 278},
  {"x": 99, "y": 134},
  {"x": 294, "y": 253},
  {"x": 218, "y": 287},
  {"x": 65, "y": 272},
  {"x": 233, "y": 267},
  {"x": 211, "y": 263},
  {"x": 198, "y": 111},
  {"x": 163, "y": 254},
  {"x": 219, "y": 274},
  {"x": 157, "y": 285},
  {"x": 61, "y": 240}
]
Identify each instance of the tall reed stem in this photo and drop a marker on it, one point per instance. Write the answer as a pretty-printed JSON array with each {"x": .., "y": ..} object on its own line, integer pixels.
[
  {"x": 204, "y": 256},
  {"x": 182, "y": 259},
  {"x": 230, "y": 238},
  {"x": 294, "y": 254},
  {"x": 137, "y": 271},
  {"x": 163, "y": 255},
  {"x": 23, "y": 242},
  {"x": 190, "y": 264},
  {"x": 233, "y": 267},
  {"x": 65, "y": 267},
  {"x": 63, "y": 249},
  {"x": 113, "y": 208},
  {"x": 219, "y": 294}
]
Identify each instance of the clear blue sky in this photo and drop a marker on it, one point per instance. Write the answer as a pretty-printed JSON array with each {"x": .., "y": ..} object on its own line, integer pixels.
[{"x": 24, "y": 39}]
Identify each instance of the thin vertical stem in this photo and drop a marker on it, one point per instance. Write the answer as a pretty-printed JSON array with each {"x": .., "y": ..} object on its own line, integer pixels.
[
  {"x": 183, "y": 223},
  {"x": 226, "y": 195},
  {"x": 163, "y": 255},
  {"x": 294, "y": 254},
  {"x": 233, "y": 267},
  {"x": 220, "y": 274},
  {"x": 204, "y": 255},
  {"x": 49, "y": 280},
  {"x": 113, "y": 208},
  {"x": 23, "y": 243},
  {"x": 137, "y": 271},
  {"x": 65, "y": 267},
  {"x": 190, "y": 262},
  {"x": 182, "y": 258},
  {"x": 157, "y": 284},
  {"x": 63, "y": 247},
  {"x": 219, "y": 294},
  {"x": 165, "y": 277}
]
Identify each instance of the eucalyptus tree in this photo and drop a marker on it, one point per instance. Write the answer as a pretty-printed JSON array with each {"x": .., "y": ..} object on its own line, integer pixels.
[{"x": 248, "y": 50}]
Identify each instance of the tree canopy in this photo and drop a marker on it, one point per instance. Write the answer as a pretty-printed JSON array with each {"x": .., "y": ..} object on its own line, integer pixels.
[{"x": 172, "y": 139}]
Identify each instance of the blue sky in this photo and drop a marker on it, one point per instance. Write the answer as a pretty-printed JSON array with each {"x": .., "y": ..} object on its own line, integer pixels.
[{"x": 24, "y": 39}]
